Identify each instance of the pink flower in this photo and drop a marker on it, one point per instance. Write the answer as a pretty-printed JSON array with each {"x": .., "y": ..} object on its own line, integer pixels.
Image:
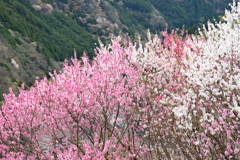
[
  {"x": 226, "y": 153},
  {"x": 158, "y": 98},
  {"x": 236, "y": 151}
]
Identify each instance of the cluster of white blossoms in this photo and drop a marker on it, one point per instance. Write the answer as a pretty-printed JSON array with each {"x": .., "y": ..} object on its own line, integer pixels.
[{"x": 216, "y": 70}]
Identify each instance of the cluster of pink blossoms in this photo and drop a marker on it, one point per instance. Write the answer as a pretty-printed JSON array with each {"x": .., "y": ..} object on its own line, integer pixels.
[{"x": 168, "y": 99}]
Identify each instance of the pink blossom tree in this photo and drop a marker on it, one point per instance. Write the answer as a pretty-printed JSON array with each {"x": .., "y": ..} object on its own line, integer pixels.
[
  {"x": 167, "y": 99},
  {"x": 106, "y": 109}
]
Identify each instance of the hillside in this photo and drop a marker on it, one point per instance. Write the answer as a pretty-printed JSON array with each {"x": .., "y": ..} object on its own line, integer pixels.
[
  {"x": 37, "y": 35},
  {"x": 34, "y": 41}
]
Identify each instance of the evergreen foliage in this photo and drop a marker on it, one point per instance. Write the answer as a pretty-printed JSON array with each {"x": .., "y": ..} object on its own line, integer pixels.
[
  {"x": 139, "y": 5},
  {"x": 186, "y": 13},
  {"x": 57, "y": 34}
]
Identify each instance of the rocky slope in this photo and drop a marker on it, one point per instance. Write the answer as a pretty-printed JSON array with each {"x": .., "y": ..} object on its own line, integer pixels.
[{"x": 22, "y": 64}]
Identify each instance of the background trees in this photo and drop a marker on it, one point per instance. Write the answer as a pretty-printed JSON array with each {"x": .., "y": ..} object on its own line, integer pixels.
[{"x": 50, "y": 31}]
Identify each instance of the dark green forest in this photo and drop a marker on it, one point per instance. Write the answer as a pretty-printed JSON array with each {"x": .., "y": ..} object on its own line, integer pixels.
[
  {"x": 188, "y": 13},
  {"x": 57, "y": 35}
]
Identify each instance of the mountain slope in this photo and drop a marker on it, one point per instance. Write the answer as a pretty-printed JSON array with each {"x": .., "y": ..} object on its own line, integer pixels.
[
  {"x": 30, "y": 40},
  {"x": 55, "y": 33}
]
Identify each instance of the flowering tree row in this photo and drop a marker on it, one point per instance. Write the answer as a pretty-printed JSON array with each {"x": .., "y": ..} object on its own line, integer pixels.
[{"x": 169, "y": 99}]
